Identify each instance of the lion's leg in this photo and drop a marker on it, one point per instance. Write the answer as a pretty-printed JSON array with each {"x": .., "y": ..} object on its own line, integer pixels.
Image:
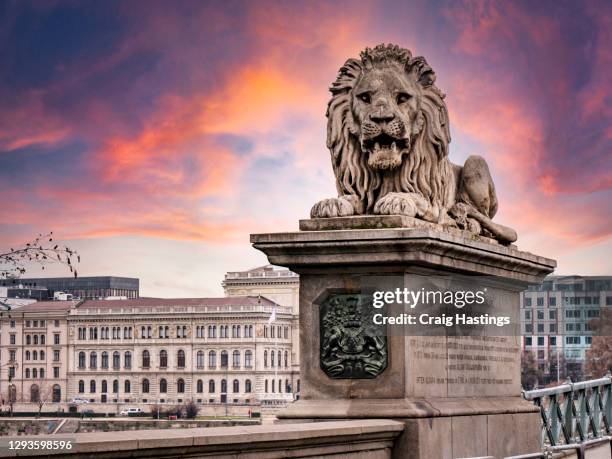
[
  {"x": 476, "y": 186},
  {"x": 477, "y": 201},
  {"x": 342, "y": 206}
]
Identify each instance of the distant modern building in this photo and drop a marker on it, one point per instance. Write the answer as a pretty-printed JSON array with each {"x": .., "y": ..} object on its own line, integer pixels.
[
  {"x": 556, "y": 316},
  {"x": 98, "y": 287}
]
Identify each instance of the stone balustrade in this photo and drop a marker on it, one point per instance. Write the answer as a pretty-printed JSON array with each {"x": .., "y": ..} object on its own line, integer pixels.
[{"x": 356, "y": 439}]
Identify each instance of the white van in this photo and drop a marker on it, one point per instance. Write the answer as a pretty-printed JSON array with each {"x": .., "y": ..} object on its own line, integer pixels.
[{"x": 130, "y": 411}]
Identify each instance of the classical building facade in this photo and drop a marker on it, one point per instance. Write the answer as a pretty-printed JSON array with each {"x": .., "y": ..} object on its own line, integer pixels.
[
  {"x": 235, "y": 350},
  {"x": 212, "y": 350},
  {"x": 279, "y": 285},
  {"x": 34, "y": 352},
  {"x": 556, "y": 318}
]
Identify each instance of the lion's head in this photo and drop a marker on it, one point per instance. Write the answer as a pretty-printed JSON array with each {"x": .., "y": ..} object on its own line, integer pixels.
[{"x": 388, "y": 127}]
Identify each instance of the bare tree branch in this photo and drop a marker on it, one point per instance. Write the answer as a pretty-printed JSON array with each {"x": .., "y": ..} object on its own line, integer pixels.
[{"x": 42, "y": 251}]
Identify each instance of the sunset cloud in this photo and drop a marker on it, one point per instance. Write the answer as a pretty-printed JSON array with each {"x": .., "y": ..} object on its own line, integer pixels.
[{"x": 199, "y": 123}]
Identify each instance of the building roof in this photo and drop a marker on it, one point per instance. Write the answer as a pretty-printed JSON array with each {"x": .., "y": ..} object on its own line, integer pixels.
[
  {"x": 46, "y": 306},
  {"x": 156, "y": 302}
]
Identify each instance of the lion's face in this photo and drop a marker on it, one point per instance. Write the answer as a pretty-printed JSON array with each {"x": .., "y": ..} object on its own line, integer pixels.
[{"x": 385, "y": 108}]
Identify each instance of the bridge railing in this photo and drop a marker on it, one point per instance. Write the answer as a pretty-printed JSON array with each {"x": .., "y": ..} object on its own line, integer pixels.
[{"x": 574, "y": 412}]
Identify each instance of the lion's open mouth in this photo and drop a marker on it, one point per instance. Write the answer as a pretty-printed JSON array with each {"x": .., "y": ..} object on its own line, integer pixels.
[{"x": 385, "y": 151}]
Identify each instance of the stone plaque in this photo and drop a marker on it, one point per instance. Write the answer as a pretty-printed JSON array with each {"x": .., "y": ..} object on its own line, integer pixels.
[{"x": 352, "y": 346}]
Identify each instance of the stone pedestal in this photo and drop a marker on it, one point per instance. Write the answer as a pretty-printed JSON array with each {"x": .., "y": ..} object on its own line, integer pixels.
[{"x": 458, "y": 395}]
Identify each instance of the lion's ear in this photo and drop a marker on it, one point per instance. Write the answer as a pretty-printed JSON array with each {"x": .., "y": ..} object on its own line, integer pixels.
[{"x": 418, "y": 124}]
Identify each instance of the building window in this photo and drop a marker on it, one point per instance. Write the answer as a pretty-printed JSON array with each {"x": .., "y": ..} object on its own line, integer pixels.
[
  {"x": 56, "y": 394},
  {"x": 236, "y": 358},
  {"x": 200, "y": 386},
  {"x": 127, "y": 386},
  {"x": 212, "y": 359},
  {"x": 27, "y": 373},
  {"x": 104, "y": 360},
  {"x": 279, "y": 358},
  {"x": 552, "y": 328},
  {"x": 163, "y": 386},
  {"x": 527, "y": 302},
  {"x": 588, "y": 340},
  {"x": 163, "y": 359},
  {"x": 223, "y": 386},
  {"x": 12, "y": 339},
  {"x": 180, "y": 358},
  {"x": 235, "y": 386},
  {"x": 81, "y": 360},
  {"x": 200, "y": 359},
  {"x": 528, "y": 341},
  {"x": 266, "y": 386},
  {"x": 28, "y": 340},
  {"x": 104, "y": 387},
  {"x": 540, "y": 301},
  {"x": 146, "y": 359},
  {"x": 180, "y": 386},
  {"x": 127, "y": 359},
  {"x": 265, "y": 358},
  {"x": 56, "y": 372},
  {"x": 540, "y": 315},
  {"x": 552, "y": 301},
  {"x": 540, "y": 328},
  {"x": 145, "y": 386},
  {"x": 35, "y": 338},
  {"x": 116, "y": 360},
  {"x": 528, "y": 328},
  {"x": 56, "y": 338},
  {"x": 81, "y": 386},
  {"x": 116, "y": 386},
  {"x": 248, "y": 359},
  {"x": 93, "y": 360},
  {"x": 211, "y": 386},
  {"x": 224, "y": 359},
  {"x": 552, "y": 340},
  {"x": 247, "y": 386},
  {"x": 540, "y": 355},
  {"x": 27, "y": 355},
  {"x": 286, "y": 359},
  {"x": 540, "y": 341},
  {"x": 92, "y": 386}
]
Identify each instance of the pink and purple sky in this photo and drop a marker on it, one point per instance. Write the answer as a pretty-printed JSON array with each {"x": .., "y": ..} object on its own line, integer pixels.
[{"x": 153, "y": 137}]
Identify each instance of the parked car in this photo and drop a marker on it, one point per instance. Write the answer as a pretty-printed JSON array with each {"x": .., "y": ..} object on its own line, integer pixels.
[
  {"x": 131, "y": 411},
  {"x": 79, "y": 401}
]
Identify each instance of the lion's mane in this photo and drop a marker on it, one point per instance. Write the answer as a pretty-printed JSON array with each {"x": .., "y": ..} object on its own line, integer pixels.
[{"x": 425, "y": 169}]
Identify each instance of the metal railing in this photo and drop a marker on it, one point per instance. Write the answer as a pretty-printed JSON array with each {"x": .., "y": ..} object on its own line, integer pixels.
[{"x": 574, "y": 413}]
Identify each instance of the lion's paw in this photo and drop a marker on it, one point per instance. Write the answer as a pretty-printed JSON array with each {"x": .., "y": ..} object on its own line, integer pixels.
[
  {"x": 410, "y": 204},
  {"x": 332, "y": 207}
]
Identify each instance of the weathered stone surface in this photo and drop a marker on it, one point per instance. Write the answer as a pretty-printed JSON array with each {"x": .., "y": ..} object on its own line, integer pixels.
[
  {"x": 388, "y": 133},
  {"x": 411, "y": 247}
]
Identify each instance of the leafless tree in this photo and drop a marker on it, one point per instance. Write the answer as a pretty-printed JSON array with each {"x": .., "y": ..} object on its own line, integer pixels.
[{"x": 41, "y": 250}]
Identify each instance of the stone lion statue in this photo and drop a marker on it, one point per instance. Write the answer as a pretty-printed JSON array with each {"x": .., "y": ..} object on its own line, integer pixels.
[{"x": 388, "y": 134}]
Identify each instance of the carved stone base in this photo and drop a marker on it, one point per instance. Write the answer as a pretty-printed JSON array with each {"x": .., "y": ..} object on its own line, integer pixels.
[{"x": 440, "y": 386}]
